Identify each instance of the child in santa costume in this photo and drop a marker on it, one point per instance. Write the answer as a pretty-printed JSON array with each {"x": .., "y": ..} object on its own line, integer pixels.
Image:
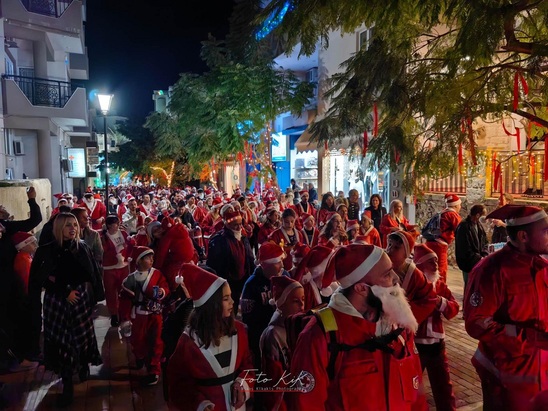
[
  {"x": 26, "y": 246},
  {"x": 141, "y": 309},
  {"x": 352, "y": 229},
  {"x": 211, "y": 367},
  {"x": 288, "y": 296},
  {"x": 287, "y": 236},
  {"x": 368, "y": 234},
  {"x": 310, "y": 273},
  {"x": 310, "y": 232},
  {"x": 299, "y": 252},
  {"x": 430, "y": 337}
]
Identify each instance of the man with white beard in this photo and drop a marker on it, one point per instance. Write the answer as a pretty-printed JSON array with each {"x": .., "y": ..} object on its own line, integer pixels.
[
  {"x": 430, "y": 337},
  {"x": 97, "y": 211},
  {"x": 364, "y": 357}
]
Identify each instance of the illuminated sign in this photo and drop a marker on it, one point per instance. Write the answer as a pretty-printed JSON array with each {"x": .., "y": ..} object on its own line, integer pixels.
[
  {"x": 279, "y": 147},
  {"x": 77, "y": 157}
]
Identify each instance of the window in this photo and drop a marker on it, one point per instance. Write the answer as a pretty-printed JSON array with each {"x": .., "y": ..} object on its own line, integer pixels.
[{"x": 364, "y": 38}]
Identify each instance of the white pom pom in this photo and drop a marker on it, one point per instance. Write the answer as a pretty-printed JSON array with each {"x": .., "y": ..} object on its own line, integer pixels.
[
  {"x": 179, "y": 279},
  {"x": 326, "y": 292},
  {"x": 272, "y": 302}
]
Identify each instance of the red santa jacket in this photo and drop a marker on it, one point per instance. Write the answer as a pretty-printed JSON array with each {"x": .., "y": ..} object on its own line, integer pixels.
[
  {"x": 195, "y": 378},
  {"x": 506, "y": 309},
  {"x": 265, "y": 231},
  {"x": 431, "y": 330},
  {"x": 21, "y": 267},
  {"x": 133, "y": 295},
  {"x": 449, "y": 220},
  {"x": 209, "y": 224},
  {"x": 388, "y": 223},
  {"x": 371, "y": 235},
  {"x": 200, "y": 213},
  {"x": 362, "y": 381},
  {"x": 280, "y": 235},
  {"x": 315, "y": 237},
  {"x": 300, "y": 210},
  {"x": 420, "y": 293},
  {"x": 96, "y": 210},
  {"x": 109, "y": 249}
]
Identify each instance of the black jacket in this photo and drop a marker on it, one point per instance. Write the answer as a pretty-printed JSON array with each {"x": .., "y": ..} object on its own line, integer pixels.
[{"x": 469, "y": 246}]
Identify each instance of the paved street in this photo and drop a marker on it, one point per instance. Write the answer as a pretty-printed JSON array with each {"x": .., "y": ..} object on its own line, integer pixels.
[{"x": 115, "y": 385}]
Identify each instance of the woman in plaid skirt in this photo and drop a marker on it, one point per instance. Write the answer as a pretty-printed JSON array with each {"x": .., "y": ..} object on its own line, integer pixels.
[{"x": 64, "y": 267}]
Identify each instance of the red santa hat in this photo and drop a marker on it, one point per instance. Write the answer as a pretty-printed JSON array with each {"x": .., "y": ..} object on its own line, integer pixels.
[
  {"x": 21, "y": 239},
  {"x": 422, "y": 253},
  {"x": 167, "y": 222},
  {"x": 367, "y": 214},
  {"x": 361, "y": 239},
  {"x": 315, "y": 261},
  {"x": 97, "y": 196},
  {"x": 407, "y": 238},
  {"x": 281, "y": 287},
  {"x": 270, "y": 253},
  {"x": 517, "y": 215},
  {"x": 201, "y": 284},
  {"x": 351, "y": 263},
  {"x": 352, "y": 225},
  {"x": 305, "y": 217},
  {"x": 129, "y": 197},
  {"x": 452, "y": 200},
  {"x": 299, "y": 252},
  {"x": 58, "y": 196},
  {"x": 231, "y": 216},
  {"x": 139, "y": 252},
  {"x": 303, "y": 192}
]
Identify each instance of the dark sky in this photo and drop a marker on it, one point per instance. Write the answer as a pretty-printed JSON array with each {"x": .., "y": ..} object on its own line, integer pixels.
[{"x": 135, "y": 47}]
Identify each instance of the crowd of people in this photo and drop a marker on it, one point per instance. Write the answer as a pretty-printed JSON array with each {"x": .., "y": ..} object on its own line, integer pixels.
[{"x": 275, "y": 299}]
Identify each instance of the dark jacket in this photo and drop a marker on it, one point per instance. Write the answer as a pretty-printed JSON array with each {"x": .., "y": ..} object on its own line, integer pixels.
[
  {"x": 470, "y": 247},
  {"x": 222, "y": 258},
  {"x": 376, "y": 216}
]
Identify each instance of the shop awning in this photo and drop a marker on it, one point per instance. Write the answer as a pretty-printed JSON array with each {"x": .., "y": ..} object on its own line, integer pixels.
[
  {"x": 294, "y": 129},
  {"x": 303, "y": 143}
]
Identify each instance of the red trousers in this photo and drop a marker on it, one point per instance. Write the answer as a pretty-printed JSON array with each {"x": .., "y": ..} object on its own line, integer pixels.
[
  {"x": 434, "y": 359},
  {"x": 146, "y": 340},
  {"x": 441, "y": 251},
  {"x": 112, "y": 280}
]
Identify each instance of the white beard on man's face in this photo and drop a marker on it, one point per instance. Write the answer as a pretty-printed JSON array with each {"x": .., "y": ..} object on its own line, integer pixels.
[
  {"x": 432, "y": 277},
  {"x": 395, "y": 310},
  {"x": 237, "y": 234}
]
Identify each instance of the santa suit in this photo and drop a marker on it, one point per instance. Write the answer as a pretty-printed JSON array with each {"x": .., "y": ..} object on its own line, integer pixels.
[
  {"x": 361, "y": 381},
  {"x": 196, "y": 379},
  {"x": 388, "y": 223},
  {"x": 274, "y": 361},
  {"x": 315, "y": 237},
  {"x": 210, "y": 222},
  {"x": 301, "y": 209},
  {"x": 449, "y": 220},
  {"x": 96, "y": 210},
  {"x": 21, "y": 267},
  {"x": 330, "y": 242},
  {"x": 506, "y": 309},
  {"x": 174, "y": 249},
  {"x": 430, "y": 340},
  {"x": 145, "y": 209},
  {"x": 115, "y": 266},
  {"x": 146, "y": 331},
  {"x": 323, "y": 216},
  {"x": 200, "y": 213},
  {"x": 264, "y": 232},
  {"x": 372, "y": 236},
  {"x": 419, "y": 291},
  {"x": 312, "y": 296},
  {"x": 280, "y": 235}
]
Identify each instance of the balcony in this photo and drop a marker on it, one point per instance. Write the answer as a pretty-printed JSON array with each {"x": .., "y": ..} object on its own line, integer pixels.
[
  {"x": 37, "y": 97},
  {"x": 53, "y": 8}
]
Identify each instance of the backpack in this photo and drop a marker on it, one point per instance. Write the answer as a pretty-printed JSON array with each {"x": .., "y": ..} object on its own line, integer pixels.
[
  {"x": 431, "y": 230},
  {"x": 295, "y": 323}
]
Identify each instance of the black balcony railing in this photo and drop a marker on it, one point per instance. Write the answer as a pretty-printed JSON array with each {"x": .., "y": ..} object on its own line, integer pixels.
[
  {"x": 44, "y": 92},
  {"x": 53, "y": 8}
]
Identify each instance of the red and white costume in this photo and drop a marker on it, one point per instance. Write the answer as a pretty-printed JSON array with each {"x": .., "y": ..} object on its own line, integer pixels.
[
  {"x": 449, "y": 220},
  {"x": 370, "y": 236},
  {"x": 506, "y": 309},
  {"x": 116, "y": 250},
  {"x": 145, "y": 208},
  {"x": 420, "y": 293},
  {"x": 301, "y": 209},
  {"x": 97, "y": 212},
  {"x": 280, "y": 235},
  {"x": 146, "y": 336},
  {"x": 388, "y": 223}
]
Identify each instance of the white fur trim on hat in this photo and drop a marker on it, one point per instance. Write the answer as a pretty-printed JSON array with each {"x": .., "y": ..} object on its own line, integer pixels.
[
  {"x": 274, "y": 260},
  {"x": 25, "y": 242},
  {"x": 218, "y": 283},
  {"x": 363, "y": 269},
  {"x": 539, "y": 215},
  {"x": 280, "y": 301},
  {"x": 425, "y": 258}
]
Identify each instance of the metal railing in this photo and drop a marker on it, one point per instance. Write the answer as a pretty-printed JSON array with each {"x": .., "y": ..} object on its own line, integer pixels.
[
  {"x": 453, "y": 184},
  {"x": 53, "y": 8},
  {"x": 44, "y": 92}
]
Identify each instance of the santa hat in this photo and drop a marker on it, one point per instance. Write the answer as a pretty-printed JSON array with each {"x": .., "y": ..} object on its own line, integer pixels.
[
  {"x": 351, "y": 263},
  {"x": 129, "y": 197},
  {"x": 303, "y": 192},
  {"x": 367, "y": 214},
  {"x": 21, "y": 239},
  {"x": 452, "y": 200},
  {"x": 299, "y": 252},
  {"x": 352, "y": 225},
  {"x": 281, "y": 287},
  {"x": 97, "y": 196},
  {"x": 139, "y": 252},
  {"x": 407, "y": 238},
  {"x": 315, "y": 261},
  {"x": 201, "y": 284},
  {"x": 422, "y": 253},
  {"x": 88, "y": 194},
  {"x": 58, "y": 196},
  {"x": 231, "y": 216},
  {"x": 305, "y": 217},
  {"x": 516, "y": 215},
  {"x": 341, "y": 204},
  {"x": 151, "y": 226},
  {"x": 361, "y": 239},
  {"x": 270, "y": 253},
  {"x": 167, "y": 222}
]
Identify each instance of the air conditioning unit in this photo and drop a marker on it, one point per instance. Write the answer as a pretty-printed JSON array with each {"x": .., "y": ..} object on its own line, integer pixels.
[
  {"x": 18, "y": 148},
  {"x": 312, "y": 75}
]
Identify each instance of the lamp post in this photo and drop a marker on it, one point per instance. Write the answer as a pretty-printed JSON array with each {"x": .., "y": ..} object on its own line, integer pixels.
[{"x": 104, "y": 104}]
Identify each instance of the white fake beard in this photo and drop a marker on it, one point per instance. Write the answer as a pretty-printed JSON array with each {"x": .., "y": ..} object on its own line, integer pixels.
[
  {"x": 396, "y": 310},
  {"x": 432, "y": 277},
  {"x": 237, "y": 234},
  {"x": 90, "y": 202}
]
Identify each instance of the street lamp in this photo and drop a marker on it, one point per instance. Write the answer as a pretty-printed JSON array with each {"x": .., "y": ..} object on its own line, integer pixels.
[{"x": 104, "y": 104}]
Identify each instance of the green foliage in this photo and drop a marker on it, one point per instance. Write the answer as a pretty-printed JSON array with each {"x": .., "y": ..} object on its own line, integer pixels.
[{"x": 431, "y": 65}]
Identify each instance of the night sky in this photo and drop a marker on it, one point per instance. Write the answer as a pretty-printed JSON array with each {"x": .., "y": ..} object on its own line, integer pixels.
[{"x": 135, "y": 47}]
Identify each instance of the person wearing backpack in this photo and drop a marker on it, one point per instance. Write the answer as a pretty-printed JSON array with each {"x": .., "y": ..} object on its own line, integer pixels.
[
  {"x": 449, "y": 219},
  {"x": 358, "y": 353}
]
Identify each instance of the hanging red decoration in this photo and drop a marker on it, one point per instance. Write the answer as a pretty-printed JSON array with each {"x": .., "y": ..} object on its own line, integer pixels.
[
  {"x": 493, "y": 164},
  {"x": 545, "y": 161},
  {"x": 461, "y": 160},
  {"x": 397, "y": 156},
  {"x": 517, "y": 134},
  {"x": 240, "y": 158},
  {"x": 498, "y": 178},
  {"x": 325, "y": 146},
  {"x": 365, "y": 138},
  {"x": 518, "y": 78},
  {"x": 375, "y": 120}
]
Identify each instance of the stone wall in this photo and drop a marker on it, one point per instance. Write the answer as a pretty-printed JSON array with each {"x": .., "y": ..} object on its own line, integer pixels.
[{"x": 13, "y": 196}]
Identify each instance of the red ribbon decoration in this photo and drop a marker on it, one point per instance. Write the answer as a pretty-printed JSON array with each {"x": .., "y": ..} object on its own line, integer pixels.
[
  {"x": 517, "y": 134},
  {"x": 493, "y": 163},
  {"x": 518, "y": 78},
  {"x": 397, "y": 156},
  {"x": 365, "y": 138},
  {"x": 375, "y": 120},
  {"x": 325, "y": 146},
  {"x": 461, "y": 161},
  {"x": 498, "y": 178},
  {"x": 545, "y": 162},
  {"x": 240, "y": 157}
]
